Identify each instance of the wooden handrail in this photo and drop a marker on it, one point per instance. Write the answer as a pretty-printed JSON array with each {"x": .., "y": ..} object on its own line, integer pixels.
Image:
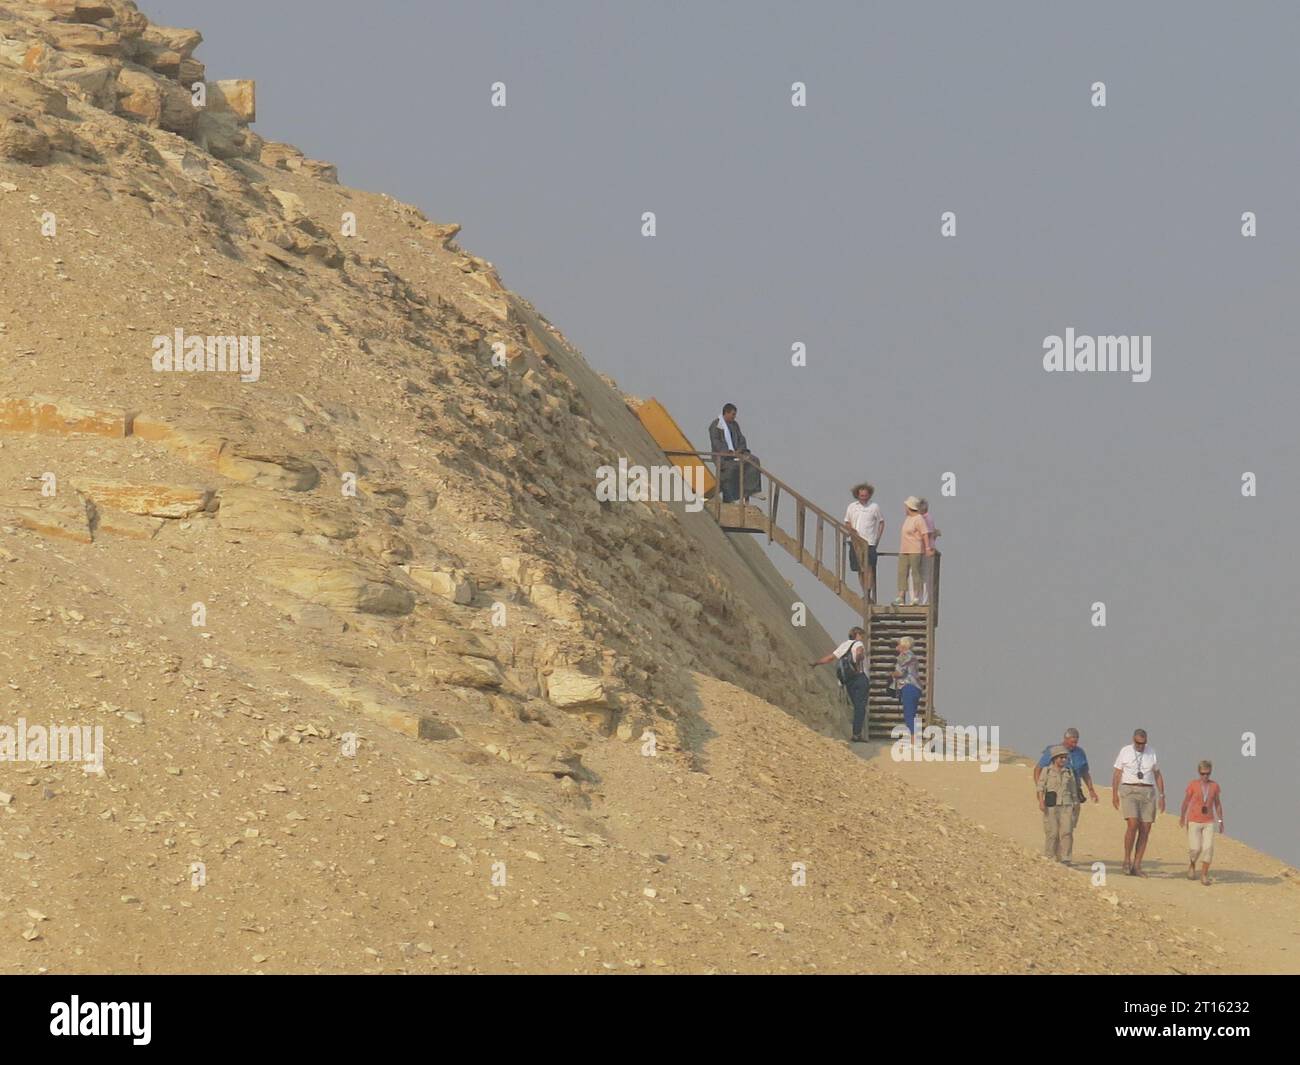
[{"x": 803, "y": 506}]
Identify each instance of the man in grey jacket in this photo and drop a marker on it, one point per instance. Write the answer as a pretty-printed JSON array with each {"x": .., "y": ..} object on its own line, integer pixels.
[{"x": 726, "y": 439}]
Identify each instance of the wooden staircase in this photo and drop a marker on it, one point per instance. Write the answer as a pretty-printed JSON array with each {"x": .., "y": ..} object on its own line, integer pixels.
[{"x": 885, "y": 625}]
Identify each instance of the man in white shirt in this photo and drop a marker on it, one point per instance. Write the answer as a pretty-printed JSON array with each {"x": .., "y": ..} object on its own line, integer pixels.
[
  {"x": 1139, "y": 786},
  {"x": 865, "y": 519},
  {"x": 853, "y": 676}
]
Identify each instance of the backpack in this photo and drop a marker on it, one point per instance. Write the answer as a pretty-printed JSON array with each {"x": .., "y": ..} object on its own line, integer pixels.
[{"x": 845, "y": 668}]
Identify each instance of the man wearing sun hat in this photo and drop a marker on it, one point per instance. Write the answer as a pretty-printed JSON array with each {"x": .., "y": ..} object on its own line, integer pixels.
[{"x": 1058, "y": 795}]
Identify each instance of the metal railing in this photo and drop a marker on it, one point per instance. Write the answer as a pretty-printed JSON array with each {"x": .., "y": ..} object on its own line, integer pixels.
[{"x": 727, "y": 465}]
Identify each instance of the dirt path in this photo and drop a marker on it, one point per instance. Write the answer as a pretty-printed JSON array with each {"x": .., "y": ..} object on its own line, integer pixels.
[{"x": 1248, "y": 919}]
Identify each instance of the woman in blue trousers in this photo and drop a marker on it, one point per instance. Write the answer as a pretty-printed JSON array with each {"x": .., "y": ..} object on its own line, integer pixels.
[{"x": 907, "y": 680}]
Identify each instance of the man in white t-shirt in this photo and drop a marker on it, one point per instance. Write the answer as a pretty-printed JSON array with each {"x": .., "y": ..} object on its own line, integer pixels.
[
  {"x": 865, "y": 519},
  {"x": 853, "y": 675},
  {"x": 1140, "y": 787}
]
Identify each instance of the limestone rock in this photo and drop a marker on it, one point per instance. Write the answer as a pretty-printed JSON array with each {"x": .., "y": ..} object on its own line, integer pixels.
[
  {"x": 156, "y": 102},
  {"x": 139, "y": 96},
  {"x": 447, "y": 584},
  {"x": 268, "y": 470},
  {"x": 159, "y": 59},
  {"x": 384, "y": 544},
  {"x": 335, "y": 582},
  {"x": 190, "y": 72},
  {"x": 80, "y": 10},
  {"x": 277, "y": 155},
  {"x": 81, "y": 37},
  {"x": 514, "y": 568},
  {"x": 464, "y": 672},
  {"x": 684, "y": 604},
  {"x": 570, "y": 689},
  {"x": 557, "y": 604},
  {"x": 129, "y": 22},
  {"x": 149, "y": 500},
  {"x": 291, "y": 204},
  {"x": 387, "y": 709},
  {"x": 123, "y": 524},
  {"x": 21, "y": 140},
  {"x": 60, "y": 517},
  {"x": 190, "y": 166},
  {"x": 200, "y": 447},
  {"x": 249, "y": 509},
  {"x": 451, "y": 640},
  {"x": 89, "y": 79},
  {"x": 26, "y": 92},
  {"x": 322, "y": 171},
  {"x": 236, "y": 95},
  {"x": 220, "y": 135},
  {"x": 48, "y": 414},
  {"x": 168, "y": 38}
]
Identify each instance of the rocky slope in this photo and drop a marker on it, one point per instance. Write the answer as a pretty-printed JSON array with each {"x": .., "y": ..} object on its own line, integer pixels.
[{"x": 362, "y": 643}]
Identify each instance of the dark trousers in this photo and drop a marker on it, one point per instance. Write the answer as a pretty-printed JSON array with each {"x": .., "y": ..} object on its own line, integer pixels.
[
  {"x": 730, "y": 479},
  {"x": 858, "y": 688}
]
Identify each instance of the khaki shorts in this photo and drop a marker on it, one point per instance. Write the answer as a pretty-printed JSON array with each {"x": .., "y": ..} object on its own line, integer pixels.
[
  {"x": 1136, "y": 800},
  {"x": 1200, "y": 840}
]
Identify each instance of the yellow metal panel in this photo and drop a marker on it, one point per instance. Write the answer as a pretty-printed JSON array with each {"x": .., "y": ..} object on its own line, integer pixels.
[{"x": 669, "y": 436}]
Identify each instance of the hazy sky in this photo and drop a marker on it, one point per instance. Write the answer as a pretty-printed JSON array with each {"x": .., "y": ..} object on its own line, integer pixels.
[{"x": 821, "y": 224}]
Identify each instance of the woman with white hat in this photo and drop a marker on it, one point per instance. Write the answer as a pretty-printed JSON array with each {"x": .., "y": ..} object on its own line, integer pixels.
[{"x": 913, "y": 547}]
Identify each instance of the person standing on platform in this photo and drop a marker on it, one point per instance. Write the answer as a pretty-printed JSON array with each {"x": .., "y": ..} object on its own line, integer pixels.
[
  {"x": 914, "y": 545},
  {"x": 865, "y": 518},
  {"x": 927, "y": 564},
  {"x": 727, "y": 441}
]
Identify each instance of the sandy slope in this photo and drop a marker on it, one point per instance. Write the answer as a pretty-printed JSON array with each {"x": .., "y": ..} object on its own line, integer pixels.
[
  {"x": 678, "y": 862},
  {"x": 1248, "y": 920}
]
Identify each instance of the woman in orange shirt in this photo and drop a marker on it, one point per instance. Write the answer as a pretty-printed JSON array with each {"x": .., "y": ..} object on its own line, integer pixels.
[
  {"x": 1202, "y": 811},
  {"x": 914, "y": 545}
]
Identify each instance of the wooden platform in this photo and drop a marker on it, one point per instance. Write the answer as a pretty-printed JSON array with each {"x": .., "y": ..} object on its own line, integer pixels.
[{"x": 738, "y": 517}]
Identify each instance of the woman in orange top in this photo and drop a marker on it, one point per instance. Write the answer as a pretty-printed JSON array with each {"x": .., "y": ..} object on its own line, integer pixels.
[
  {"x": 1202, "y": 811},
  {"x": 914, "y": 545}
]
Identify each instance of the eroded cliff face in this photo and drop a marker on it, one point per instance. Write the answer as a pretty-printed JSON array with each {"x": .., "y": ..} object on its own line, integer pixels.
[{"x": 256, "y": 385}]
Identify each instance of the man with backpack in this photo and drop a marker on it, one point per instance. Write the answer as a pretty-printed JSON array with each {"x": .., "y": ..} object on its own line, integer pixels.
[{"x": 850, "y": 660}]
